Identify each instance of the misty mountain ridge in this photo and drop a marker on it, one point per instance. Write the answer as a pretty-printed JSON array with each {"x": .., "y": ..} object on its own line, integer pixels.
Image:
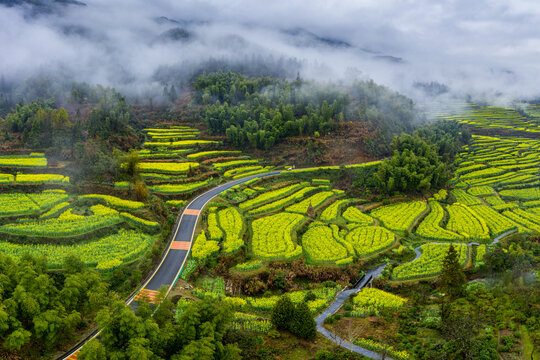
[
  {"x": 40, "y": 7},
  {"x": 175, "y": 34},
  {"x": 305, "y": 38}
]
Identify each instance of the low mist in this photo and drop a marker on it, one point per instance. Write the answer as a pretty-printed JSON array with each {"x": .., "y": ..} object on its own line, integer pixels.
[{"x": 488, "y": 50}]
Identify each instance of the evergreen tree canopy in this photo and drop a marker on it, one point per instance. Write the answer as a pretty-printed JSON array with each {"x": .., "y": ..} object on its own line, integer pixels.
[
  {"x": 282, "y": 313},
  {"x": 302, "y": 323},
  {"x": 414, "y": 166},
  {"x": 452, "y": 277},
  {"x": 197, "y": 333},
  {"x": 38, "y": 311}
]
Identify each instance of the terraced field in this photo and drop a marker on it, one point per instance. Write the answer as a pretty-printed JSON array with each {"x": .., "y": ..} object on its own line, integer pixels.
[{"x": 174, "y": 163}]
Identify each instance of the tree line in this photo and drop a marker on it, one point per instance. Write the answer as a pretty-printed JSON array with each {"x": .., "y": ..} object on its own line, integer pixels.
[{"x": 263, "y": 111}]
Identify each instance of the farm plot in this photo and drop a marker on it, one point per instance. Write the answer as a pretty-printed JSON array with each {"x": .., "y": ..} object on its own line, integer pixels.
[
  {"x": 252, "y": 172},
  {"x": 234, "y": 163},
  {"x": 272, "y": 236},
  {"x": 430, "y": 227},
  {"x": 147, "y": 154},
  {"x": 314, "y": 200},
  {"x": 481, "y": 191},
  {"x": 203, "y": 248},
  {"x": 352, "y": 214},
  {"x": 332, "y": 212},
  {"x": 214, "y": 230},
  {"x": 521, "y": 194},
  {"x": 249, "y": 322},
  {"x": 240, "y": 171},
  {"x": 106, "y": 253},
  {"x": 7, "y": 179},
  {"x": 323, "y": 296},
  {"x": 271, "y": 195},
  {"x": 320, "y": 246},
  {"x": 208, "y": 154},
  {"x": 466, "y": 222},
  {"x": 232, "y": 223},
  {"x": 16, "y": 204},
  {"x": 168, "y": 167},
  {"x": 483, "y": 173},
  {"x": 181, "y": 143},
  {"x": 368, "y": 240},
  {"x": 22, "y": 161},
  {"x": 114, "y": 202},
  {"x": 370, "y": 301},
  {"x": 399, "y": 217},
  {"x": 497, "y": 223},
  {"x": 525, "y": 224},
  {"x": 281, "y": 203},
  {"x": 65, "y": 225},
  {"x": 430, "y": 263},
  {"x": 463, "y": 198},
  {"x": 175, "y": 189},
  {"x": 36, "y": 179}
]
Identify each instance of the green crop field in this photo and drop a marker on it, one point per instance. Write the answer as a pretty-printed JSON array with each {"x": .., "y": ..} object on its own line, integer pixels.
[
  {"x": 429, "y": 263},
  {"x": 307, "y": 233}
]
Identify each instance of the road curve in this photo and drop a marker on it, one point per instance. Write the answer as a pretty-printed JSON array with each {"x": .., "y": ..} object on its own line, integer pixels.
[
  {"x": 172, "y": 263},
  {"x": 338, "y": 303},
  {"x": 495, "y": 240},
  {"x": 371, "y": 274}
]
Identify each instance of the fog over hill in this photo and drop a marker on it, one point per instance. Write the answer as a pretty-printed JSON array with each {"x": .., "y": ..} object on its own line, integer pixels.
[{"x": 483, "y": 48}]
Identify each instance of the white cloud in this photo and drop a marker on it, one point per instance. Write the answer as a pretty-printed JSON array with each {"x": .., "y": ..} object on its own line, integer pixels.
[{"x": 483, "y": 46}]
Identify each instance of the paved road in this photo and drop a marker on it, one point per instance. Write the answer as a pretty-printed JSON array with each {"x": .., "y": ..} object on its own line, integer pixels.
[
  {"x": 496, "y": 240},
  {"x": 337, "y": 304},
  {"x": 344, "y": 295},
  {"x": 175, "y": 257}
]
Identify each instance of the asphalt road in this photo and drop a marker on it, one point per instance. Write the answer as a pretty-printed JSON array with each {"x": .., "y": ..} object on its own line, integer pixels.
[
  {"x": 337, "y": 304},
  {"x": 176, "y": 255},
  {"x": 169, "y": 270}
]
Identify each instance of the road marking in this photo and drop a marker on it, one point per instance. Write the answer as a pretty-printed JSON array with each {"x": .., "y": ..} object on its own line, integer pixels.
[
  {"x": 73, "y": 356},
  {"x": 186, "y": 212},
  {"x": 148, "y": 295},
  {"x": 180, "y": 245}
]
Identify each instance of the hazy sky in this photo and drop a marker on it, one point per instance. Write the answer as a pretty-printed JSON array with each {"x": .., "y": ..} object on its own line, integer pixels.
[{"x": 480, "y": 47}]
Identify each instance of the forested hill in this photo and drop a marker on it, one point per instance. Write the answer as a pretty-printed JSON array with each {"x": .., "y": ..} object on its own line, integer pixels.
[
  {"x": 302, "y": 122},
  {"x": 260, "y": 112}
]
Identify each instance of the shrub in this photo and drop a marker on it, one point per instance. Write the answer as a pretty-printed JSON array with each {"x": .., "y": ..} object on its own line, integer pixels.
[{"x": 282, "y": 313}]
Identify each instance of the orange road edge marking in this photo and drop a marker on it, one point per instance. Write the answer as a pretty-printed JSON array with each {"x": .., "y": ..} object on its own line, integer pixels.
[
  {"x": 148, "y": 295},
  {"x": 180, "y": 245},
  {"x": 191, "y": 212},
  {"x": 73, "y": 356}
]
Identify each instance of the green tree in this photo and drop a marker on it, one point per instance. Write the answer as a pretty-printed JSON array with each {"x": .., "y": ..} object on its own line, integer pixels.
[
  {"x": 452, "y": 278},
  {"x": 130, "y": 164},
  {"x": 414, "y": 167},
  {"x": 282, "y": 313},
  {"x": 93, "y": 350},
  {"x": 17, "y": 339},
  {"x": 302, "y": 323}
]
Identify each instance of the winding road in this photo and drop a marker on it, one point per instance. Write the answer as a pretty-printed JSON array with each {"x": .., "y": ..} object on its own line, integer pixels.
[
  {"x": 171, "y": 265},
  {"x": 174, "y": 259},
  {"x": 338, "y": 303},
  {"x": 370, "y": 275}
]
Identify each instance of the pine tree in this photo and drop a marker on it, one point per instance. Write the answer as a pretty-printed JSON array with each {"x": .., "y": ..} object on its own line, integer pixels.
[
  {"x": 302, "y": 323},
  {"x": 310, "y": 211},
  {"x": 173, "y": 95},
  {"x": 282, "y": 313},
  {"x": 452, "y": 277}
]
